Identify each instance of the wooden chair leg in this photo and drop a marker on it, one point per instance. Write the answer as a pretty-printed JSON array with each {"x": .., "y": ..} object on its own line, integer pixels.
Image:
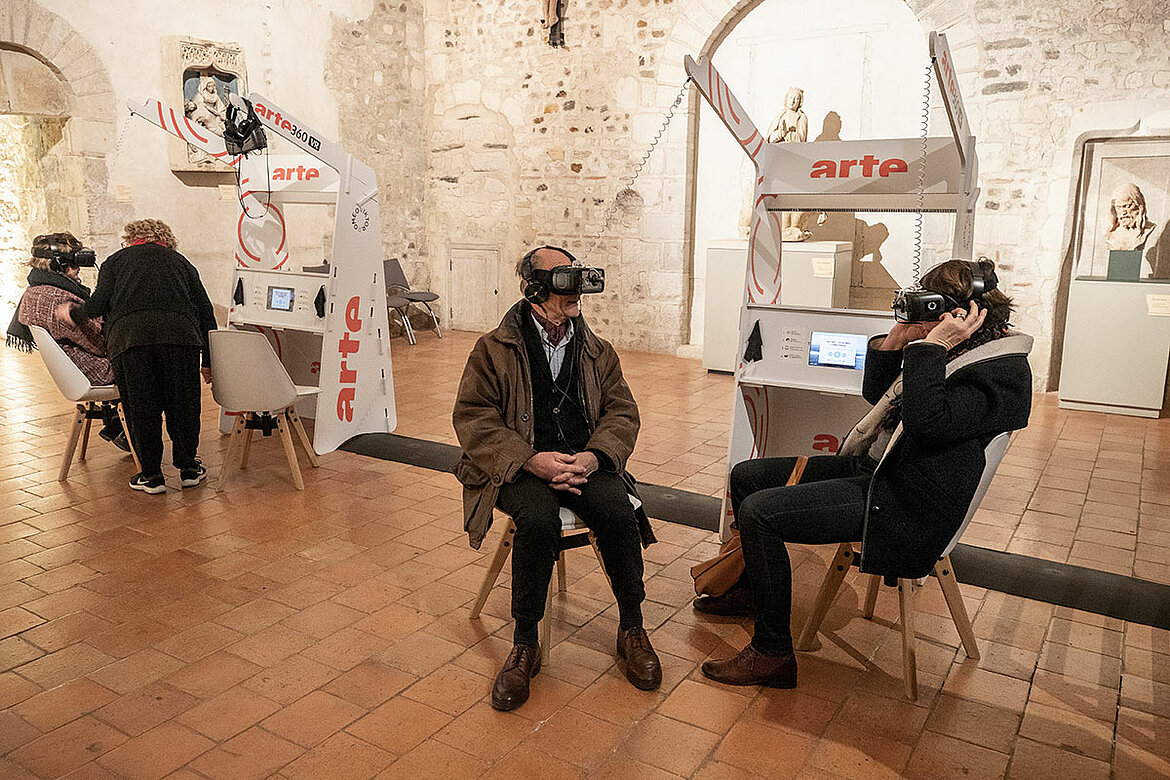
[
  {"x": 950, "y": 589},
  {"x": 289, "y": 451},
  {"x": 247, "y": 448},
  {"x": 906, "y": 591},
  {"x": 597, "y": 554},
  {"x": 129, "y": 440},
  {"x": 829, "y": 587},
  {"x": 85, "y": 437},
  {"x": 562, "y": 576},
  {"x": 493, "y": 572},
  {"x": 871, "y": 594},
  {"x": 546, "y": 625},
  {"x": 71, "y": 446},
  {"x": 304, "y": 437},
  {"x": 234, "y": 440}
]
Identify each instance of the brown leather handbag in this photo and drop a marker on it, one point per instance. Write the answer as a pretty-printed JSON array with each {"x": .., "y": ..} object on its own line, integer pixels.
[{"x": 718, "y": 575}]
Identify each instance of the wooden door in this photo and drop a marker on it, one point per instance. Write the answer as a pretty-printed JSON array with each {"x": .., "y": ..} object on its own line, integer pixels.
[{"x": 472, "y": 300}]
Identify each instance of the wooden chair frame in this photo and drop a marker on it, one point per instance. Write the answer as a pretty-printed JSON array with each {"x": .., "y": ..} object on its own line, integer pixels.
[
  {"x": 845, "y": 557},
  {"x": 83, "y": 417},
  {"x": 577, "y": 536},
  {"x": 284, "y": 421}
]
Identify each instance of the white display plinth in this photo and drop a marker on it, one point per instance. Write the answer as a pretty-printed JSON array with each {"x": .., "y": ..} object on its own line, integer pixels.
[
  {"x": 816, "y": 273},
  {"x": 1116, "y": 347},
  {"x": 723, "y": 298}
]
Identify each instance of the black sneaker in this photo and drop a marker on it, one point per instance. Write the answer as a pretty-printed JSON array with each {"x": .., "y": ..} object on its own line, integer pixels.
[
  {"x": 152, "y": 485},
  {"x": 121, "y": 442},
  {"x": 192, "y": 476}
]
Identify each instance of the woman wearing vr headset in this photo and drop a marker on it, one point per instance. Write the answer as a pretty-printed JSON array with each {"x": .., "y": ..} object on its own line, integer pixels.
[
  {"x": 903, "y": 480},
  {"x": 55, "y": 279}
]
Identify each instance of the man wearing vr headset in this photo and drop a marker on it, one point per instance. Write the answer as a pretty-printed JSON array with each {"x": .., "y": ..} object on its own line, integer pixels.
[
  {"x": 546, "y": 420},
  {"x": 949, "y": 377},
  {"x": 55, "y": 279}
]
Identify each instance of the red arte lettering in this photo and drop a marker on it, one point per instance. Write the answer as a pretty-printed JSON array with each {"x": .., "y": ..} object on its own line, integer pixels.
[
  {"x": 824, "y": 442},
  {"x": 828, "y": 169},
  {"x": 353, "y": 312},
  {"x": 346, "y": 346},
  {"x": 345, "y": 404},
  {"x": 299, "y": 173}
]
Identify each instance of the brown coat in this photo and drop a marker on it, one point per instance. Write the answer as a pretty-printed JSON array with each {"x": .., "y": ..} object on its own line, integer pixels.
[{"x": 494, "y": 420}]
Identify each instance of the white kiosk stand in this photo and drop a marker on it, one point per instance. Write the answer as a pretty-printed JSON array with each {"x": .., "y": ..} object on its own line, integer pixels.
[
  {"x": 329, "y": 330},
  {"x": 803, "y": 396}
]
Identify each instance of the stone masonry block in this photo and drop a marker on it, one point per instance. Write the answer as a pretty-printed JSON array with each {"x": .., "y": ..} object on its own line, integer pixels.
[{"x": 90, "y": 137}]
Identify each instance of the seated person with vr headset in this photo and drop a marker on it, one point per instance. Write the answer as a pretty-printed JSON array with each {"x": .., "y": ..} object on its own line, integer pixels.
[
  {"x": 546, "y": 420},
  {"x": 55, "y": 279},
  {"x": 950, "y": 376}
]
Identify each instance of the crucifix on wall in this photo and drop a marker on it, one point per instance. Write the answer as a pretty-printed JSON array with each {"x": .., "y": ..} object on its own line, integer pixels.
[{"x": 552, "y": 21}]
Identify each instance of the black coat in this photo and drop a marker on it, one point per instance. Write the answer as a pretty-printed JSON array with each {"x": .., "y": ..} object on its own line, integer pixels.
[{"x": 924, "y": 484}]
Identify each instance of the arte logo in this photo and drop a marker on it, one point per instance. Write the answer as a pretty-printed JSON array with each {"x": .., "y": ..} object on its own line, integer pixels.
[
  {"x": 281, "y": 122},
  {"x": 824, "y": 442},
  {"x": 828, "y": 169},
  {"x": 299, "y": 173},
  {"x": 346, "y": 346}
]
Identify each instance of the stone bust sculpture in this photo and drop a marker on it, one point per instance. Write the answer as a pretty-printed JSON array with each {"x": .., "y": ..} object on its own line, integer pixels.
[{"x": 1129, "y": 228}]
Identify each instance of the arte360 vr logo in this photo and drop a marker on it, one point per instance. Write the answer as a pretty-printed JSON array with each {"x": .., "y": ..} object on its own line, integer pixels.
[{"x": 288, "y": 126}]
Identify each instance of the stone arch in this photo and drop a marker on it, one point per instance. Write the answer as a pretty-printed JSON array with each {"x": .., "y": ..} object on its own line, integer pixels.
[
  {"x": 701, "y": 33},
  {"x": 91, "y": 129}
]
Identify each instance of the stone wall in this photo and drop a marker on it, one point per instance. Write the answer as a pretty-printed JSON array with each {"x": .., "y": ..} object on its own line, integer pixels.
[{"x": 483, "y": 134}]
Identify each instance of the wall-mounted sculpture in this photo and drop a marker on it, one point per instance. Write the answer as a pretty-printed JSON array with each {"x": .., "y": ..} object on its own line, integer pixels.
[{"x": 199, "y": 75}]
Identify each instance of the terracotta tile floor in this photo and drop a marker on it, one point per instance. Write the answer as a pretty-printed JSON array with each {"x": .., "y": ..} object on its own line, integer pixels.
[{"x": 264, "y": 632}]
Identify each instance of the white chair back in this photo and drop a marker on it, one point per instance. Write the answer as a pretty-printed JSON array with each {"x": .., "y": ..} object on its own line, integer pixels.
[
  {"x": 993, "y": 454},
  {"x": 70, "y": 381},
  {"x": 246, "y": 374}
]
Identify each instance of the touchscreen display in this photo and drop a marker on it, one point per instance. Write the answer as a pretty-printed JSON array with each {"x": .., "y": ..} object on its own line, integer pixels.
[
  {"x": 838, "y": 350},
  {"x": 281, "y": 298}
]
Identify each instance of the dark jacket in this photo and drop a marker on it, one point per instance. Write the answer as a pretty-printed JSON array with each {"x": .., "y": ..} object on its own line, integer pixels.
[
  {"x": 923, "y": 486},
  {"x": 148, "y": 295},
  {"x": 493, "y": 415}
]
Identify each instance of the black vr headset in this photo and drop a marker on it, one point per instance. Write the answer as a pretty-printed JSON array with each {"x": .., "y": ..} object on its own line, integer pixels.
[
  {"x": 917, "y": 304},
  {"x": 62, "y": 256},
  {"x": 242, "y": 132},
  {"x": 539, "y": 283}
]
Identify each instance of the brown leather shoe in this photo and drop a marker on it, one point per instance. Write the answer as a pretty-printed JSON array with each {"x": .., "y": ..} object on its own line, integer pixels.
[
  {"x": 643, "y": 669},
  {"x": 736, "y": 602},
  {"x": 752, "y": 667},
  {"x": 511, "y": 687}
]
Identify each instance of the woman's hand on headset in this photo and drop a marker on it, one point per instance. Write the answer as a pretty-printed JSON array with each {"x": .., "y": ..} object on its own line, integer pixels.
[
  {"x": 955, "y": 327},
  {"x": 902, "y": 334}
]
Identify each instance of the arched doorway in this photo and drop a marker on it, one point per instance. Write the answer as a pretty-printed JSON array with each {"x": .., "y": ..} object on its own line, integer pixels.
[{"x": 57, "y": 126}]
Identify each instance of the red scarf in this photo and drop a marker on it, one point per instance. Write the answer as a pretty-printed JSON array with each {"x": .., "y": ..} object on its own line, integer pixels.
[{"x": 554, "y": 332}]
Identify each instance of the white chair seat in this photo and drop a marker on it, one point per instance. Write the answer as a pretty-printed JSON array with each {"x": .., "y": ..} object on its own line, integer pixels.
[
  {"x": 100, "y": 393},
  {"x": 75, "y": 387},
  {"x": 249, "y": 379}
]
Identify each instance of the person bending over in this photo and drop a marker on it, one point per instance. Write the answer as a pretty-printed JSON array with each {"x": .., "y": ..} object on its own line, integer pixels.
[
  {"x": 546, "y": 420},
  {"x": 906, "y": 474},
  {"x": 157, "y": 317},
  {"x": 55, "y": 278}
]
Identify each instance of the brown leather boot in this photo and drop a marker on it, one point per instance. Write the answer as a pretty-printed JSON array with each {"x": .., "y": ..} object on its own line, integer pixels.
[
  {"x": 752, "y": 667},
  {"x": 511, "y": 687},
  {"x": 643, "y": 668}
]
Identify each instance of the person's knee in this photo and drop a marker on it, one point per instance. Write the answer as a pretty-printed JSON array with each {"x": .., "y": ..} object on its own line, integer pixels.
[
  {"x": 751, "y": 510},
  {"x": 538, "y": 521}
]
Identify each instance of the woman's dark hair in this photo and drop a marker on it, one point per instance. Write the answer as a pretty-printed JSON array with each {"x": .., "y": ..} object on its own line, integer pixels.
[{"x": 954, "y": 278}]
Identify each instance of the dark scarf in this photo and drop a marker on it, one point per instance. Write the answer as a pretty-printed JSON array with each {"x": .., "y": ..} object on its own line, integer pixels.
[
  {"x": 555, "y": 332},
  {"x": 19, "y": 335}
]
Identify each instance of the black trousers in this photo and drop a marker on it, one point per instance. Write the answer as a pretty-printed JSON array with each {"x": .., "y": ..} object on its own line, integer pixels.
[
  {"x": 156, "y": 380},
  {"x": 605, "y": 507},
  {"x": 827, "y": 506}
]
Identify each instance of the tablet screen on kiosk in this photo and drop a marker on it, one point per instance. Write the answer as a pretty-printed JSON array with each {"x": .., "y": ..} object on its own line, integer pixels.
[
  {"x": 281, "y": 298},
  {"x": 837, "y": 350}
]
